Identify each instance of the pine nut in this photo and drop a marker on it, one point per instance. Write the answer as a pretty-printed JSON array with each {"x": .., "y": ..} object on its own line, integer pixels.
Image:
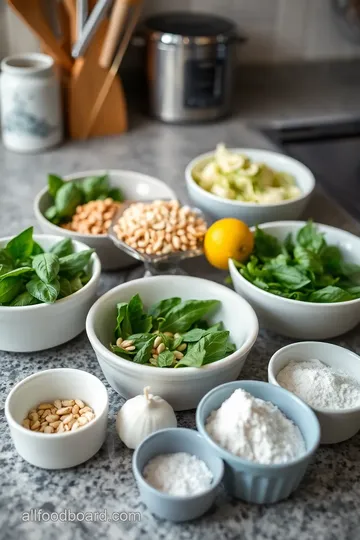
[
  {"x": 75, "y": 426},
  {"x": 131, "y": 348},
  {"x": 53, "y": 410},
  {"x": 34, "y": 416},
  {"x": 52, "y": 418},
  {"x": 80, "y": 403},
  {"x": 161, "y": 348},
  {"x": 35, "y": 425},
  {"x": 26, "y": 423},
  {"x": 127, "y": 343},
  {"x": 157, "y": 342},
  {"x": 178, "y": 355},
  {"x": 176, "y": 242},
  {"x": 68, "y": 403},
  {"x": 168, "y": 334},
  {"x": 118, "y": 344},
  {"x": 55, "y": 425},
  {"x": 43, "y": 424},
  {"x": 75, "y": 409},
  {"x": 155, "y": 356},
  {"x": 46, "y": 413},
  {"x": 60, "y": 428},
  {"x": 68, "y": 419},
  {"x": 63, "y": 411},
  {"x": 48, "y": 429},
  {"x": 84, "y": 410},
  {"x": 89, "y": 415},
  {"x": 82, "y": 421},
  {"x": 45, "y": 406},
  {"x": 181, "y": 347}
]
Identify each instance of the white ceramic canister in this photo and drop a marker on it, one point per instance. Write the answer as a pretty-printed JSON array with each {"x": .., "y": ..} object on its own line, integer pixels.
[{"x": 30, "y": 103}]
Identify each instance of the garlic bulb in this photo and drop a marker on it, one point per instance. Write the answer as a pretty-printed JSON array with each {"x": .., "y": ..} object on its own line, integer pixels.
[{"x": 143, "y": 415}]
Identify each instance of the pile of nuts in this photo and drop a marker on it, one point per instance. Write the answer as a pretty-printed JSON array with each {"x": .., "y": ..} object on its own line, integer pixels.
[
  {"x": 161, "y": 227},
  {"x": 59, "y": 417},
  {"x": 158, "y": 347},
  {"x": 94, "y": 217}
]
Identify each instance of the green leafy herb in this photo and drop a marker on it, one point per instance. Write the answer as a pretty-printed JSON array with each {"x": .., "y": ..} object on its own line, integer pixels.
[
  {"x": 165, "y": 359},
  {"x": 54, "y": 184},
  {"x": 10, "y": 288},
  {"x": 162, "y": 308},
  {"x": 46, "y": 266},
  {"x": 37, "y": 249},
  {"x": 52, "y": 215},
  {"x": 139, "y": 321},
  {"x": 65, "y": 287},
  {"x": 123, "y": 326},
  {"x": 63, "y": 248},
  {"x": 15, "y": 272},
  {"x": 95, "y": 186},
  {"x": 45, "y": 292},
  {"x": 143, "y": 355},
  {"x": 182, "y": 316},
  {"x": 24, "y": 299},
  {"x": 75, "y": 262},
  {"x": 303, "y": 268},
  {"x": 67, "y": 198},
  {"x": 21, "y": 246},
  {"x": 116, "y": 194}
]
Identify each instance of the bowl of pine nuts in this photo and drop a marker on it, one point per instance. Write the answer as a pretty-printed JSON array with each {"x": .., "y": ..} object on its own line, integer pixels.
[
  {"x": 57, "y": 417},
  {"x": 91, "y": 221},
  {"x": 160, "y": 233}
]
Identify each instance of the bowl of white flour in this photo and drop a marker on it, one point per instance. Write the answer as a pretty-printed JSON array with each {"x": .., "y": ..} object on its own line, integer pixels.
[
  {"x": 327, "y": 378},
  {"x": 265, "y": 435}
]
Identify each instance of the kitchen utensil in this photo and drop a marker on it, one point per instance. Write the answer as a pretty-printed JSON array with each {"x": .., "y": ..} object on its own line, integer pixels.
[
  {"x": 97, "y": 15},
  {"x": 293, "y": 318},
  {"x": 184, "y": 387},
  {"x": 336, "y": 425},
  {"x": 32, "y": 15},
  {"x": 70, "y": 6},
  {"x": 253, "y": 213},
  {"x": 169, "y": 441},
  {"x": 30, "y": 102},
  {"x": 154, "y": 264},
  {"x": 57, "y": 450},
  {"x": 113, "y": 71},
  {"x": 135, "y": 186},
  {"x": 191, "y": 60},
  {"x": 82, "y": 11},
  {"x": 117, "y": 21},
  {"x": 47, "y": 325},
  {"x": 254, "y": 482}
]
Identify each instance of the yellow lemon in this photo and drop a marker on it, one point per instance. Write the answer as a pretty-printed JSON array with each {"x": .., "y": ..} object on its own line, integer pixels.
[{"x": 228, "y": 238}]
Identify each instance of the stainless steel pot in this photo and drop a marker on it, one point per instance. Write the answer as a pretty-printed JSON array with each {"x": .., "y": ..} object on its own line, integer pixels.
[{"x": 190, "y": 66}]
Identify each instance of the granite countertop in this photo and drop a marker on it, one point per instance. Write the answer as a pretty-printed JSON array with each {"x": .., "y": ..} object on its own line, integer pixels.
[{"x": 325, "y": 505}]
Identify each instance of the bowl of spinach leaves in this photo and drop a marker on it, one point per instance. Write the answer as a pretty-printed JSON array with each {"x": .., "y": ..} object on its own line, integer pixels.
[
  {"x": 211, "y": 327},
  {"x": 56, "y": 203},
  {"x": 47, "y": 285},
  {"x": 303, "y": 279}
]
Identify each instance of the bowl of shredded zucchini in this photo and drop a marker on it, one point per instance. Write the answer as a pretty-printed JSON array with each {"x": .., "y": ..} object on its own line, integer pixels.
[{"x": 249, "y": 184}]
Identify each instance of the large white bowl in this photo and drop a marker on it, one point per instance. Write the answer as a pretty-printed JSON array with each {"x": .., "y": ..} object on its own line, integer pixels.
[
  {"x": 57, "y": 450},
  {"x": 336, "y": 425},
  {"x": 135, "y": 186},
  {"x": 182, "y": 388},
  {"x": 298, "y": 319},
  {"x": 254, "y": 213},
  {"x": 42, "y": 326}
]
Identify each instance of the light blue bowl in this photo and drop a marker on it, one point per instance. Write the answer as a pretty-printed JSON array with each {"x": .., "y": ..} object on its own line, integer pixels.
[
  {"x": 168, "y": 441},
  {"x": 254, "y": 482}
]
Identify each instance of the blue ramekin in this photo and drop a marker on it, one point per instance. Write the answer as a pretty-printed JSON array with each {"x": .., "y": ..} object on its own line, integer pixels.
[
  {"x": 251, "y": 481},
  {"x": 168, "y": 441}
]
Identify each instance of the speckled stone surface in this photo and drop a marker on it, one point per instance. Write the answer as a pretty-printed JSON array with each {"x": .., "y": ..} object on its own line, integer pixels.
[{"x": 326, "y": 506}]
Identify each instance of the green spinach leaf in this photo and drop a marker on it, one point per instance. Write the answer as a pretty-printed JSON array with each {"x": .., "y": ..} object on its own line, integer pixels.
[
  {"x": 291, "y": 277},
  {"x": 123, "y": 326},
  {"x": 166, "y": 359},
  {"x": 162, "y": 308},
  {"x": 182, "y": 316},
  {"x": 139, "y": 320},
  {"x": 330, "y": 294},
  {"x": 143, "y": 355}
]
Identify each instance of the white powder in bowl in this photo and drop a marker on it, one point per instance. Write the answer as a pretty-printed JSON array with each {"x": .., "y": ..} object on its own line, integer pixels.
[
  {"x": 255, "y": 429},
  {"x": 320, "y": 385},
  {"x": 178, "y": 474}
]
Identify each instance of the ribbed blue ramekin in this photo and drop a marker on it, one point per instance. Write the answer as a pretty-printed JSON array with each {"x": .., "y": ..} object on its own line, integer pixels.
[{"x": 254, "y": 482}]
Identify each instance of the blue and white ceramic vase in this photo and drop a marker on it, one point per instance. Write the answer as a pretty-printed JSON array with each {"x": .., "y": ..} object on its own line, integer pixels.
[{"x": 30, "y": 103}]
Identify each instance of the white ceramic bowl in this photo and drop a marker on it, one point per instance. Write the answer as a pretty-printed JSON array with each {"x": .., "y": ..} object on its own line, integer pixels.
[
  {"x": 297, "y": 319},
  {"x": 254, "y": 213},
  {"x": 336, "y": 425},
  {"x": 58, "y": 450},
  {"x": 42, "y": 326},
  {"x": 182, "y": 388},
  {"x": 135, "y": 186}
]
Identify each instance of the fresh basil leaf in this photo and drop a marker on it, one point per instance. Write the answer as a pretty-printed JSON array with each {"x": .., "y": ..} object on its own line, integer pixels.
[
  {"x": 15, "y": 272},
  {"x": 5, "y": 269},
  {"x": 289, "y": 245},
  {"x": 291, "y": 277},
  {"x": 45, "y": 292},
  {"x": 6, "y": 259},
  {"x": 330, "y": 294},
  {"x": 230, "y": 348},
  {"x": 194, "y": 335},
  {"x": 139, "y": 320},
  {"x": 265, "y": 271},
  {"x": 266, "y": 246},
  {"x": 354, "y": 291},
  {"x": 194, "y": 358},
  {"x": 116, "y": 194},
  {"x": 350, "y": 270},
  {"x": 21, "y": 246},
  {"x": 46, "y": 266},
  {"x": 162, "y": 308},
  {"x": 121, "y": 352},
  {"x": 63, "y": 248},
  {"x": 75, "y": 284},
  {"x": 140, "y": 339},
  {"x": 37, "y": 249},
  {"x": 65, "y": 287},
  {"x": 10, "y": 288},
  {"x": 54, "y": 184},
  {"x": 24, "y": 299},
  {"x": 123, "y": 327},
  {"x": 331, "y": 259},
  {"x": 85, "y": 277},
  {"x": 67, "y": 198},
  {"x": 308, "y": 259},
  {"x": 165, "y": 359},
  {"x": 95, "y": 186},
  {"x": 52, "y": 215},
  {"x": 143, "y": 355},
  {"x": 182, "y": 316},
  {"x": 215, "y": 345},
  {"x": 309, "y": 237},
  {"x": 75, "y": 262}
]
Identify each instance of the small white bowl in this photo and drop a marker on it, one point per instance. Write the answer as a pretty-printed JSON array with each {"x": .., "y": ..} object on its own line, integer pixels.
[
  {"x": 58, "y": 450},
  {"x": 135, "y": 187},
  {"x": 182, "y": 388},
  {"x": 336, "y": 425},
  {"x": 42, "y": 326},
  {"x": 293, "y": 318},
  {"x": 254, "y": 213}
]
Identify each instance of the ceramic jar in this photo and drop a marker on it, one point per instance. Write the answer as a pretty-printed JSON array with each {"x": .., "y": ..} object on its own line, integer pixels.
[{"x": 30, "y": 103}]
